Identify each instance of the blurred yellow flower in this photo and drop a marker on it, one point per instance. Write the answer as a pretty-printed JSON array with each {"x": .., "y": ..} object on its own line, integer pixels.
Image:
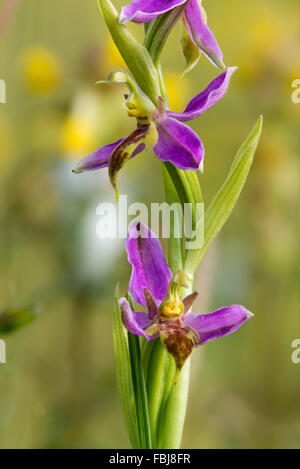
[
  {"x": 42, "y": 70},
  {"x": 79, "y": 132},
  {"x": 268, "y": 43},
  {"x": 77, "y": 137},
  {"x": 113, "y": 56},
  {"x": 178, "y": 90},
  {"x": 266, "y": 32}
]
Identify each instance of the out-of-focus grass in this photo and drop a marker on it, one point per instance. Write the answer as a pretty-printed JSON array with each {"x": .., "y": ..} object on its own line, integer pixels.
[{"x": 58, "y": 388}]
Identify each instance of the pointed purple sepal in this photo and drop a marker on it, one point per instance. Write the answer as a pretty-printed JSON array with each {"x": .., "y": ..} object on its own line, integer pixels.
[
  {"x": 215, "y": 91},
  {"x": 149, "y": 268},
  {"x": 135, "y": 322},
  {"x": 97, "y": 160},
  {"x": 142, "y": 11},
  {"x": 214, "y": 325},
  {"x": 200, "y": 33},
  {"x": 100, "y": 158}
]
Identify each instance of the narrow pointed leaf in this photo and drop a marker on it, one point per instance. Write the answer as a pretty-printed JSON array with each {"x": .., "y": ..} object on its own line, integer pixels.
[
  {"x": 124, "y": 373},
  {"x": 139, "y": 388},
  {"x": 225, "y": 200}
]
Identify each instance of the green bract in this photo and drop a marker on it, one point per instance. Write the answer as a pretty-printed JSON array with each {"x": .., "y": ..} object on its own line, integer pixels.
[{"x": 135, "y": 55}]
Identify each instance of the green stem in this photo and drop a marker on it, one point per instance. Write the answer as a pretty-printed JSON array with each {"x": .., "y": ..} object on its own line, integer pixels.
[
  {"x": 157, "y": 373},
  {"x": 162, "y": 86},
  {"x": 175, "y": 245},
  {"x": 171, "y": 424}
]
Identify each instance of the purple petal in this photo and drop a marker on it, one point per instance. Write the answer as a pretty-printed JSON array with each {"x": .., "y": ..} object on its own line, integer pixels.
[
  {"x": 200, "y": 33},
  {"x": 135, "y": 322},
  {"x": 215, "y": 91},
  {"x": 149, "y": 268},
  {"x": 179, "y": 144},
  {"x": 142, "y": 11},
  {"x": 98, "y": 159},
  {"x": 214, "y": 325}
]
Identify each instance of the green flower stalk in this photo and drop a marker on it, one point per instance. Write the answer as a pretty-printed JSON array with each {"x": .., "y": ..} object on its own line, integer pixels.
[{"x": 153, "y": 348}]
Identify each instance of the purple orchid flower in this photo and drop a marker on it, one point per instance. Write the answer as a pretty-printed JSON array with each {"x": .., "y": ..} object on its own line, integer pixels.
[
  {"x": 153, "y": 287},
  {"x": 163, "y": 131},
  {"x": 142, "y": 11}
]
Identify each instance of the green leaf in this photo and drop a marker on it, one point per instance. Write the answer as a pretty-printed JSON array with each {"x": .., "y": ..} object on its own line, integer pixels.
[
  {"x": 124, "y": 380},
  {"x": 190, "y": 51},
  {"x": 225, "y": 200},
  {"x": 181, "y": 183},
  {"x": 194, "y": 184},
  {"x": 13, "y": 320},
  {"x": 139, "y": 388},
  {"x": 134, "y": 54}
]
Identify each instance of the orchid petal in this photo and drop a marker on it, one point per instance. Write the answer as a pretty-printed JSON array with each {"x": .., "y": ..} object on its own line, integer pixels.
[
  {"x": 215, "y": 91},
  {"x": 200, "y": 33},
  {"x": 142, "y": 11},
  {"x": 97, "y": 160},
  {"x": 214, "y": 325},
  {"x": 179, "y": 341},
  {"x": 130, "y": 146},
  {"x": 179, "y": 144},
  {"x": 188, "y": 302},
  {"x": 149, "y": 268},
  {"x": 151, "y": 305},
  {"x": 135, "y": 322}
]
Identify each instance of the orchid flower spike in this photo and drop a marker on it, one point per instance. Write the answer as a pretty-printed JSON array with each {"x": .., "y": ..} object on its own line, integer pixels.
[
  {"x": 157, "y": 129},
  {"x": 168, "y": 317},
  {"x": 142, "y": 11}
]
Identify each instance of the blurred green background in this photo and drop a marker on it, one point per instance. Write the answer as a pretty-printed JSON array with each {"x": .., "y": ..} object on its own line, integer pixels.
[{"x": 58, "y": 388}]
